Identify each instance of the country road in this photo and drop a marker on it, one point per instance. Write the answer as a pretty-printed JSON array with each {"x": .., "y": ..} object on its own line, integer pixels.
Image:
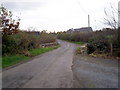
[
  {"x": 49, "y": 70},
  {"x": 61, "y": 68}
]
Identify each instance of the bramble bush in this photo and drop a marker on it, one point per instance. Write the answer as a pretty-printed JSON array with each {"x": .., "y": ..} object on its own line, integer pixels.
[
  {"x": 102, "y": 40},
  {"x": 16, "y": 43},
  {"x": 98, "y": 41}
]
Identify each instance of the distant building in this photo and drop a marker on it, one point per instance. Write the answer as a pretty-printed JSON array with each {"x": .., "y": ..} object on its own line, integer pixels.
[{"x": 83, "y": 29}]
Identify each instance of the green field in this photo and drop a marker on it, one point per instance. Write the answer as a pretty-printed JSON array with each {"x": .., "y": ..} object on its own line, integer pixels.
[
  {"x": 14, "y": 59},
  {"x": 79, "y": 43}
]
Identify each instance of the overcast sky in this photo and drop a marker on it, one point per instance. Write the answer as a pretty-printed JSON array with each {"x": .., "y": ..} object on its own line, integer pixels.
[{"x": 59, "y": 15}]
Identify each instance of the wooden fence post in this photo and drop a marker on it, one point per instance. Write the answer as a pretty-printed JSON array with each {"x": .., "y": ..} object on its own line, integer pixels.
[{"x": 111, "y": 48}]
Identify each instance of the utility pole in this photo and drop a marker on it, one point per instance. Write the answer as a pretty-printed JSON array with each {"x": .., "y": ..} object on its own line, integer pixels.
[{"x": 88, "y": 20}]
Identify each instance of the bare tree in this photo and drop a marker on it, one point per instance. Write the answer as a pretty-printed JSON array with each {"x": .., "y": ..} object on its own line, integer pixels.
[
  {"x": 111, "y": 20},
  {"x": 111, "y": 17}
]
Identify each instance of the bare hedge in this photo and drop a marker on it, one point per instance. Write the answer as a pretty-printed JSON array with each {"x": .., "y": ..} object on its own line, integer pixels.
[{"x": 15, "y": 43}]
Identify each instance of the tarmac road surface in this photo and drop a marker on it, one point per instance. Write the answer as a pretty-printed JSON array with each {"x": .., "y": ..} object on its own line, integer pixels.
[
  {"x": 49, "y": 70},
  {"x": 53, "y": 70}
]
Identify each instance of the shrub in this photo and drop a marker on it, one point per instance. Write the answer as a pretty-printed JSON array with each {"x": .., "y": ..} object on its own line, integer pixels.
[
  {"x": 22, "y": 41},
  {"x": 78, "y": 50},
  {"x": 90, "y": 48},
  {"x": 99, "y": 41},
  {"x": 75, "y": 36}
]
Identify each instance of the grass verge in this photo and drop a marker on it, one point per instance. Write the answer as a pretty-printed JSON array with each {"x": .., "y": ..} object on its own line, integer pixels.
[
  {"x": 38, "y": 51},
  {"x": 79, "y": 43},
  {"x": 14, "y": 59},
  {"x": 0, "y": 62}
]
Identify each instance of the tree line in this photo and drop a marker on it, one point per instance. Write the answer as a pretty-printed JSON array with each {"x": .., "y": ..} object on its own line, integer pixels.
[{"x": 101, "y": 41}]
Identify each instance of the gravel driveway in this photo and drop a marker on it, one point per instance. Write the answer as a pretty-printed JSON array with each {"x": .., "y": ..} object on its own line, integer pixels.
[{"x": 90, "y": 72}]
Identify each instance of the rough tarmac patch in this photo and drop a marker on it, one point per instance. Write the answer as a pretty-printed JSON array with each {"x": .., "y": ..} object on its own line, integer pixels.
[{"x": 89, "y": 72}]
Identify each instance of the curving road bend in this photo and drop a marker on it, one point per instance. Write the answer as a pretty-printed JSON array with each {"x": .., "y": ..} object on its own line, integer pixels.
[
  {"x": 49, "y": 70},
  {"x": 53, "y": 70}
]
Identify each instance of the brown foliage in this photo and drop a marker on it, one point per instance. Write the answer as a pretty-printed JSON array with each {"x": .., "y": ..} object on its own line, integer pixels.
[{"x": 7, "y": 24}]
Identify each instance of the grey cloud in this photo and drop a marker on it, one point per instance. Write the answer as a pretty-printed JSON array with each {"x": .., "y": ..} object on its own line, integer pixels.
[{"x": 23, "y": 5}]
